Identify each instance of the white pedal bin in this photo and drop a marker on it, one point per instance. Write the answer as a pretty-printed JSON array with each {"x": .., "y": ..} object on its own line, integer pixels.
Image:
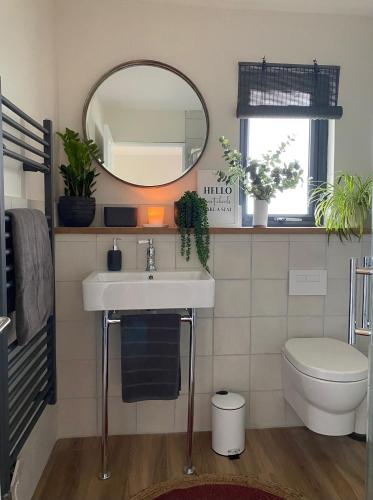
[{"x": 228, "y": 423}]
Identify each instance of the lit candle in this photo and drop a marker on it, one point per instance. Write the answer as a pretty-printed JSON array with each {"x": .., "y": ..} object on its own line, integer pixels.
[{"x": 156, "y": 216}]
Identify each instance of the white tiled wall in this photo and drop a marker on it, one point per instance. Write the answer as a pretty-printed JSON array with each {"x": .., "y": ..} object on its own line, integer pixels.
[{"x": 238, "y": 343}]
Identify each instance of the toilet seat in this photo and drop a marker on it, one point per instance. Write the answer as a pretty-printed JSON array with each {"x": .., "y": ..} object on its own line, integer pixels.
[{"x": 326, "y": 359}]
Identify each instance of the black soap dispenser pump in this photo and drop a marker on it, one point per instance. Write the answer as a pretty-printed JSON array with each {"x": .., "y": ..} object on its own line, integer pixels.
[{"x": 114, "y": 257}]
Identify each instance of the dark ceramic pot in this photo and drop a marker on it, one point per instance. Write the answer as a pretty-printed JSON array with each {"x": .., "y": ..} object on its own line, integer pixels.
[
  {"x": 189, "y": 215},
  {"x": 76, "y": 211}
]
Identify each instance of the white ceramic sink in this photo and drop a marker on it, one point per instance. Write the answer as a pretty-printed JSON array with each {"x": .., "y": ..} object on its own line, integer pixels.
[{"x": 143, "y": 290}]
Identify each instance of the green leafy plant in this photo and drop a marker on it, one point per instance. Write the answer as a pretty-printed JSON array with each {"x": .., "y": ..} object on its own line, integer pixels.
[
  {"x": 79, "y": 175},
  {"x": 343, "y": 207},
  {"x": 191, "y": 216},
  {"x": 260, "y": 178}
]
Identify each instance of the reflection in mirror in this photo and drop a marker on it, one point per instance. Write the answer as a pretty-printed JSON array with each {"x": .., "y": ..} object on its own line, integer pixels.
[{"x": 149, "y": 122}]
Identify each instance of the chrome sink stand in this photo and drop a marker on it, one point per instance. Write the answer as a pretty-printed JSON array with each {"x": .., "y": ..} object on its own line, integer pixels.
[
  {"x": 108, "y": 320},
  {"x": 189, "y": 468}
]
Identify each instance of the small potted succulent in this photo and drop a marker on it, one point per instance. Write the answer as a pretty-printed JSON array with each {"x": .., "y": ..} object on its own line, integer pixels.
[
  {"x": 191, "y": 217},
  {"x": 345, "y": 206},
  {"x": 261, "y": 178},
  {"x": 77, "y": 207}
]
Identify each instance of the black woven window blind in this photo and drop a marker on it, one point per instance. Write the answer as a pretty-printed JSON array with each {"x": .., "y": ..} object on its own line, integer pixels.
[{"x": 288, "y": 90}]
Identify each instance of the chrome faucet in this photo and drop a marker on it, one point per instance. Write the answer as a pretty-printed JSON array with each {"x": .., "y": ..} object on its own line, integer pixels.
[{"x": 150, "y": 255}]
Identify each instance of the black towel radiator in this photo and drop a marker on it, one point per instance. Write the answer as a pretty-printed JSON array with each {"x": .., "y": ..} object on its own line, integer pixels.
[{"x": 27, "y": 373}]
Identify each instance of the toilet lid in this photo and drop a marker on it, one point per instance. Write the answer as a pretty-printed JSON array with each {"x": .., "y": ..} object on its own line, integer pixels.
[{"x": 327, "y": 359}]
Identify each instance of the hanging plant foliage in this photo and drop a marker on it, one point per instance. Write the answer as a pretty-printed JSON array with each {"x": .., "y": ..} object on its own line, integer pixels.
[{"x": 191, "y": 218}]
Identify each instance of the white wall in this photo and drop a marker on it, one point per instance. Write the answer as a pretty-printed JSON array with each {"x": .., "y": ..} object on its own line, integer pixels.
[
  {"x": 137, "y": 125},
  {"x": 239, "y": 342},
  {"x": 206, "y": 45},
  {"x": 148, "y": 164},
  {"x": 28, "y": 78}
]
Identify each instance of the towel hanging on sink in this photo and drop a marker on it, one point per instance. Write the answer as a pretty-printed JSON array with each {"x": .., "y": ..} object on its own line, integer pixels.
[{"x": 150, "y": 345}]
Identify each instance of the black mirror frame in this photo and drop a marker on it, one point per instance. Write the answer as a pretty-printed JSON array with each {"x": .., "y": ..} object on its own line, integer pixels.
[{"x": 157, "y": 64}]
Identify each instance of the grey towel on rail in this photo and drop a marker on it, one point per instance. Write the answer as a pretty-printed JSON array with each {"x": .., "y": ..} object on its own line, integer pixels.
[
  {"x": 33, "y": 269},
  {"x": 150, "y": 356}
]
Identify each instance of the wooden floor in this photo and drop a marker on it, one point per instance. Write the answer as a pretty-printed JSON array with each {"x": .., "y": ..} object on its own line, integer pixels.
[{"x": 323, "y": 468}]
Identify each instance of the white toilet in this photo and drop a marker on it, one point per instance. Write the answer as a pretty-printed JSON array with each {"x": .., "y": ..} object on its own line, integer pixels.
[{"x": 325, "y": 381}]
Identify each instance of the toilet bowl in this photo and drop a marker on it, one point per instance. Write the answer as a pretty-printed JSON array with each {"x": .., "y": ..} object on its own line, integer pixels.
[{"x": 325, "y": 381}]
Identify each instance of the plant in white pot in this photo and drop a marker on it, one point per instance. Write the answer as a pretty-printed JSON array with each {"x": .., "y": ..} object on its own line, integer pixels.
[{"x": 262, "y": 178}]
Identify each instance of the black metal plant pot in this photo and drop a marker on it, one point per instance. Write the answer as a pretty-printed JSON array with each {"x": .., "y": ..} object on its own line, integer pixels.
[
  {"x": 189, "y": 215},
  {"x": 76, "y": 211}
]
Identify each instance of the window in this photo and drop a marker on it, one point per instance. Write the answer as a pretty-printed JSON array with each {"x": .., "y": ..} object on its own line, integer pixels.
[
  {"x": 258, "y": 135},
  {"x": 276, "y": 100}
]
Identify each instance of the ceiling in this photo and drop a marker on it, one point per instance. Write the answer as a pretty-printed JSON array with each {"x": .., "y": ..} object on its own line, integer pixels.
[{"x": 345, "y": 7}]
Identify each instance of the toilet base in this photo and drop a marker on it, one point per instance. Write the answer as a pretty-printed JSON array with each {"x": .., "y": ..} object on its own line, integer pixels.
[
  {"x": 320, "y": 421},
  {"x": 361, "y": 419},
  {"x": 325, "y": 407}
]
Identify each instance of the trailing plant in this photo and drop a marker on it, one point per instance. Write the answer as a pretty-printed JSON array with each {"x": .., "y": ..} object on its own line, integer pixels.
[
  {"x": 343, "y": 207},
  {"x": 79, "y": 175},
  {"x": 260, "y": 178},
  {"x": 191, "y": 216}
]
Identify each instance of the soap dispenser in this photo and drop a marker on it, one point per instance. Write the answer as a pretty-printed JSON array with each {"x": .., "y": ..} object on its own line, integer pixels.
[{"x": 114, "y": 257}]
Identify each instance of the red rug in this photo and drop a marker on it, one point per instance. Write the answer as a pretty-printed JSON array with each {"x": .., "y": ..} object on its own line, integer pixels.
[
  {"x": 219, "y": 487},
  {"x": 218, "y": 492}
]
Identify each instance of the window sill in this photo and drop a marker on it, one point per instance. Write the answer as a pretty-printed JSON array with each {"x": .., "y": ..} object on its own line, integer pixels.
[{"x": 173, "y": 230}]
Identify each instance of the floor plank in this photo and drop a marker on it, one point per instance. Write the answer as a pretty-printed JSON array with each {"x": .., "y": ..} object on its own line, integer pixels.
[{"x": 323, "y": 468}]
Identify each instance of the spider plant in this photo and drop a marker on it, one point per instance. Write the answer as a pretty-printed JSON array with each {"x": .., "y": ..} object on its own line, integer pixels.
[{"x": 345, "y": 206}]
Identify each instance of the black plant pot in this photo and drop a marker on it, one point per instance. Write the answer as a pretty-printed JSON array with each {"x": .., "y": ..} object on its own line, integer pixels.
[
  {"x": 76, "y": 211},
  {"x": 189, "y": 215}
]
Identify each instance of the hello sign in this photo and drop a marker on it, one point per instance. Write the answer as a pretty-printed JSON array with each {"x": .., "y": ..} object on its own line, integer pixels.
[{"x": 222, "y": 200}]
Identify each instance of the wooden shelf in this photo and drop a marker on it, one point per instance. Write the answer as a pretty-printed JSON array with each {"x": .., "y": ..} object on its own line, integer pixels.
[{"x": 173, "y": 230}]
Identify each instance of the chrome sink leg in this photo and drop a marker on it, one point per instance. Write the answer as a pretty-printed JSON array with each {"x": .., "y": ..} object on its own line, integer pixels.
[
  {"x": 105, "y": 474},
  {"x": 189, "y": 468}
]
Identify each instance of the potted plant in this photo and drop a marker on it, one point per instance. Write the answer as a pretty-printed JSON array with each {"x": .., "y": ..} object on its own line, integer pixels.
[
  {"x": 345, "y": 206},
  {"x": 261, "y": 178},
  {"x": 77, "y": 207},
  {"x": 191, "y": 216}
]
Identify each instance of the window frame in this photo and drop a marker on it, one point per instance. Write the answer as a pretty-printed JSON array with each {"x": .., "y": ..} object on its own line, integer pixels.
[{"x": 318, "y": 166}]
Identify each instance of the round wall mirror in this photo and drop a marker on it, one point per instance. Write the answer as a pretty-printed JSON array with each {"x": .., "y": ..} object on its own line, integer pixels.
[{"x": 149, "y": 121}]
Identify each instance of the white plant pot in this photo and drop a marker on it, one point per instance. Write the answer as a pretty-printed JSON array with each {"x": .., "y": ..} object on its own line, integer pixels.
[{"x": 260, "y": 218}]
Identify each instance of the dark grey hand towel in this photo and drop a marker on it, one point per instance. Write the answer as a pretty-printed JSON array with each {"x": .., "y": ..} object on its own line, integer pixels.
[
  {"x": 150, "y": 356},
  {"x": 33, "y": 271}
]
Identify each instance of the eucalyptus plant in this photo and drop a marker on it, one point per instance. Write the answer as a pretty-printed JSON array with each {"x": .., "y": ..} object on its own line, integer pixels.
[
  {"x": 261, "y": 178},
  {"x": 78, "y": 175},
  {"x": 191, "y": 217},
  {"x": 345, "y": 206}
]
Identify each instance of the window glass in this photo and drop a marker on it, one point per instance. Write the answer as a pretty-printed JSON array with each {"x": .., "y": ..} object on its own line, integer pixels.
[{"x": 266, "y": 134}]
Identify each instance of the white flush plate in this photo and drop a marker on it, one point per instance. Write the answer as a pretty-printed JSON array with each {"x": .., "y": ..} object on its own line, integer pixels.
[{"x": 307, "y": 282}]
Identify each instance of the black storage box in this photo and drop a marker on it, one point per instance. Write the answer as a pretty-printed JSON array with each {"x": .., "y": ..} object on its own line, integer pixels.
[{"x": 120, "y": 216}]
